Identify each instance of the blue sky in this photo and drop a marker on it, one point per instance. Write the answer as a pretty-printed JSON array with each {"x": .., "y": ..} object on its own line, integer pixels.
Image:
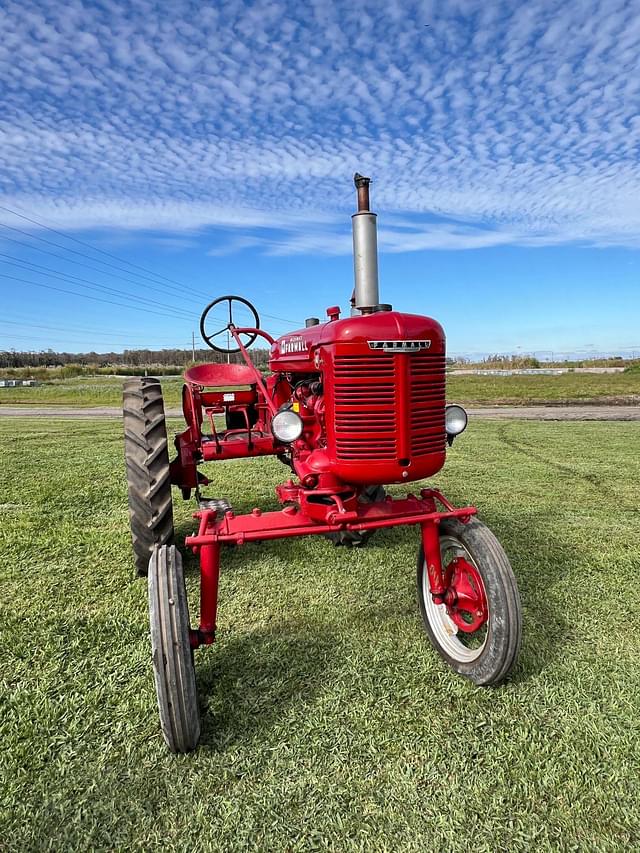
[{"x": 214, "y": 145}]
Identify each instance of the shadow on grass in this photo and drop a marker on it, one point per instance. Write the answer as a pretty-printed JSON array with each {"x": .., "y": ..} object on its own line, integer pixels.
[
  {"x": 540, "y": 559},
  {"x": 246, "y": 683}
]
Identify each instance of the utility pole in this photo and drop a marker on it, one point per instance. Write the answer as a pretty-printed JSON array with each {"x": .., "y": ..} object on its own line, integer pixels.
[{"x": 193, "y": 346}]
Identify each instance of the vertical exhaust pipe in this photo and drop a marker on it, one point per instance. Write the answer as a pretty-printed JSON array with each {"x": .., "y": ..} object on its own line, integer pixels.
[{"x": 365, "y": 250}]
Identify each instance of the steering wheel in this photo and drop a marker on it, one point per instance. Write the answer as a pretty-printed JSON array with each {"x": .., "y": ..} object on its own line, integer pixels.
[{"x": 208, "y": 339}]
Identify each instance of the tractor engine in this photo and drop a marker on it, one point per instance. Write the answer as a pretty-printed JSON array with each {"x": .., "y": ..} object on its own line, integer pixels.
[
  {"x": 369, "y": 391},
  {"x": 365, "y": 393}
]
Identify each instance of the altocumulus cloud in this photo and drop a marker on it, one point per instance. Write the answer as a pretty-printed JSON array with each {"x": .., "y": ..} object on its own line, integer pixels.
[{"x": 482, "y": 123}]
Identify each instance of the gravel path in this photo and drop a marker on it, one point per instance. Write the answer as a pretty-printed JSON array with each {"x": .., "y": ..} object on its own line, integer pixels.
[
  {"x": 559, "y": 413},
  {"x": 536, "y": 413}
]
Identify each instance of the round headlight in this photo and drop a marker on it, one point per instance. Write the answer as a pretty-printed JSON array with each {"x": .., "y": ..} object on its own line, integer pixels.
[
  {"x": 455, "y": 420},
  {"x": 286, "y": 426}
]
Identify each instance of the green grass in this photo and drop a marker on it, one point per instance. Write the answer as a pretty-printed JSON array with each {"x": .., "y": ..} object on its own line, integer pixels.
[
  {"x": 82, "y": 391},
  {"x": 566, "y": 388},
  {"x": 328, "y": 721},
  {"x": 481, "y": 390}
]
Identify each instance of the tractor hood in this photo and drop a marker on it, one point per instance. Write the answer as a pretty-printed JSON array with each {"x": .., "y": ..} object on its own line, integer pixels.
[{"x": 390, "y": 331}]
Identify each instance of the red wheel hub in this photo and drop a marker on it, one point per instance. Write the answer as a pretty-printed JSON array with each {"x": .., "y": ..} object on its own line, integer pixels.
[{"x": 465, "y": 598}]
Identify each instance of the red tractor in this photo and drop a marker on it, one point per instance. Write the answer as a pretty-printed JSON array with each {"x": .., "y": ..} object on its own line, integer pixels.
[{"x": 348, "y": 405}]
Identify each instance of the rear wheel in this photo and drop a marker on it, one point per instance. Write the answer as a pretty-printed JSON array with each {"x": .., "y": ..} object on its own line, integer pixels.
[
  {"x": 173, "y": 669},
  {"x": 147, "y": 464},
  {"x": 358, "y": 538},
  {"x": 478, "y": 629}
]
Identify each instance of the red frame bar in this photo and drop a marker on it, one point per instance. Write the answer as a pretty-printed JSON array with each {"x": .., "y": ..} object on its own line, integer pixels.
[
  {"x": 291, "y": 521},
  {"x": 236, "y": 332},
  {"x": 209, "y": 577}
]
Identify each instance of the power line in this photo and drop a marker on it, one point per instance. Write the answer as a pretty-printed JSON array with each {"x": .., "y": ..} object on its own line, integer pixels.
[
  {"x": 185, "y": 348},
  {"x": 180, "y": 289},
  {"x": 67, "y": 276},
  {"x": 145, "y": 281},
  {"x": 88, "y": 283},
  {"x": 86, "y": 296},
  {"x": 87, "y": 341},
  {"x": 138, "y": 344},
  {"x": 180, "y": 286},
  {"x": 66, "y": 329},
  {"x": 88, "y": 245}
]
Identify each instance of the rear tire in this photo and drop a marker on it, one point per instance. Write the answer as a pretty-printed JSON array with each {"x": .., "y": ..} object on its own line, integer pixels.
[
  {"x": 486, "y": 655},
  {"x": 173, "y": 669},
  {"x": 147, "y": 464},
  {"x": 358, "y": 538}
]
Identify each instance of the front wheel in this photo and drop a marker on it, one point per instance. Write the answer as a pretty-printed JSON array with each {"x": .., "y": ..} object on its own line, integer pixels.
[
  {"x": 173, "y": 669},
  {"x": 478, "y": 629}
]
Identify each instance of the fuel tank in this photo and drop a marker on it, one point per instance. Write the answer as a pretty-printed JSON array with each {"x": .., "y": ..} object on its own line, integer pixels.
[{"x": 383, "y": 378}]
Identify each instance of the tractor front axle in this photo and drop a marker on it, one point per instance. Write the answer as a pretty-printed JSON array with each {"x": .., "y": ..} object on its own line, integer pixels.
[{"x": 215, "y": 530}]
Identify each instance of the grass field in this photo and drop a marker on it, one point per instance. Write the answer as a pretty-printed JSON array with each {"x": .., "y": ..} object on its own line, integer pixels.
[
  {"x": 328, "y": 721},
  {"x": 482, "y": 390},
  {"x": 567, "y": 388},
  {"x": 82, "y": 391}
]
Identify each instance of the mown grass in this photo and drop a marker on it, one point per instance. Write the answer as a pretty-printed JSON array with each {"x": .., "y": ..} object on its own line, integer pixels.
[
  {"x": 566, "y": 388},
  {"x": 623, "y": 388},
  {"x": 83, "y": 391},
  {"x": 328, "y": 721}
]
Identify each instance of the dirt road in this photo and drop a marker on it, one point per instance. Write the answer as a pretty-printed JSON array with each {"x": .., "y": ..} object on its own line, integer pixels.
[{"x": 536, "y": 413}]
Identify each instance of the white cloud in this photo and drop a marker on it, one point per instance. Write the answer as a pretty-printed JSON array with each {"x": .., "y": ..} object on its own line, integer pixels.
[{"x": 499, "y": 123}]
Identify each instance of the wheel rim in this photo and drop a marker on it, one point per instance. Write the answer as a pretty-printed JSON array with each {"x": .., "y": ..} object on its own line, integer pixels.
[{"x": 461, "y": 628}]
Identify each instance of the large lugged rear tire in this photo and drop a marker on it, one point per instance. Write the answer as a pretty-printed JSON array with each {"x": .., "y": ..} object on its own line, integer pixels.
[
  {"x": 147, "y": 464},
  {"x": 173, "y": 670},
  {"x": 482, "y": 644}
]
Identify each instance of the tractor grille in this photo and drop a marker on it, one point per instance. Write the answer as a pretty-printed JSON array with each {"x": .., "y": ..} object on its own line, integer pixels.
[
  {"x": 427, "y": 382},
  {"x": 366, "y": 390},
  {"x": 365, "y": 410}
]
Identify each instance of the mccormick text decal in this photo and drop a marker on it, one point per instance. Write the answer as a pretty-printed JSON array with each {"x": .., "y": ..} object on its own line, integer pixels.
[{"x": 294, "y": 344}]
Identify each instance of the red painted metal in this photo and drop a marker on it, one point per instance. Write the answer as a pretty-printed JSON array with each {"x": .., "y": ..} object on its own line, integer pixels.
[
  {"x": 292, "y": 520},
  {"x": 220, "y": 375},
  {"x": 370, "y": 391},
  {"x": 209, "y": 576},
  {"x": 236, "y": 332},
  {"x": 431, "y": 548},
  {"x": 383, "y": 410},
  {"x": 466, "y": 599}
]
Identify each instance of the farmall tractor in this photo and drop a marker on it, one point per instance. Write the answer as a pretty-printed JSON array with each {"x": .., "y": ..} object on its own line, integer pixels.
[{"x": 349, "y": 405}]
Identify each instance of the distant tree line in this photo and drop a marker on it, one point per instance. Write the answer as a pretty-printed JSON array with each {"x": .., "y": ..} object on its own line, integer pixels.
[
  {"x": 134, "y": 358},
  {"x": 522, "y": 361}
]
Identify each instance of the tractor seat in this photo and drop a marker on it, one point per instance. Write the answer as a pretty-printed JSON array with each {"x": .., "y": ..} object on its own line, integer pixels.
[{"x": 220, "y": 375}]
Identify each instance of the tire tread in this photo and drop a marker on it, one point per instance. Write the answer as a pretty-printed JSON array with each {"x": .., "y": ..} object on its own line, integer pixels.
[
  {"x": 147, "y": 468},
  {"x": 496, "y": 662},
  {"x": 174, "y": 674}
]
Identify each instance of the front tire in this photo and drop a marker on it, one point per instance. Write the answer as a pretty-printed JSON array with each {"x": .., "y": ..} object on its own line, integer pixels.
[
  {"x": 479, "y": 632},
  {"x": 173, "y": 669},
  {"x": 147, "y": 465}
]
